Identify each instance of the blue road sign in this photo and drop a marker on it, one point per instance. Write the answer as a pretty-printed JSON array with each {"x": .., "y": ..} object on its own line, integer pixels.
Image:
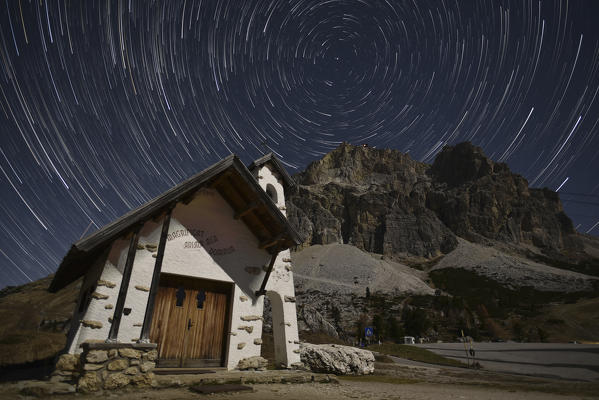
[{"x": 368, "y": 331}]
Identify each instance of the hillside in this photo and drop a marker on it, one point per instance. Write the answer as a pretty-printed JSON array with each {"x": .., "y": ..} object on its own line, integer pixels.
[
  {"x": 344, "y": 269},
  {"x": 34, "y": 322}
]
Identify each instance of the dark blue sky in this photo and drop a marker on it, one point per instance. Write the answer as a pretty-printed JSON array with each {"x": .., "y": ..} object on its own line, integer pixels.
[{"x": 104, "y": 105}]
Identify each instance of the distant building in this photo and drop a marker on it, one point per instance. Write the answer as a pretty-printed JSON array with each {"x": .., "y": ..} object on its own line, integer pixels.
[
  {"x": 189, "y": 270},
  {"x": 409, "y": 340}
]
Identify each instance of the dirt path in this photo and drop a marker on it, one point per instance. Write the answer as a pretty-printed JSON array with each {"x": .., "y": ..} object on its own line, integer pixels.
[{"x": 341, "y": 391}]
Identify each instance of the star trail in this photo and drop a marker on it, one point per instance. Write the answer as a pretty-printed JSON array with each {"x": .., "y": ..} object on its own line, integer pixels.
[{"x": 104, "y": 105}]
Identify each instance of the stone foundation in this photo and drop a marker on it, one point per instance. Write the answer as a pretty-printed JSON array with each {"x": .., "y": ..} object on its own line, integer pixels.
[{"x": 108, "y": 366}]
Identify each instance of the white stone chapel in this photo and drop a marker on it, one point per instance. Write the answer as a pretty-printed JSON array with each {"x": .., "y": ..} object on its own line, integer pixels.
[{"x": 189, "y": 270}]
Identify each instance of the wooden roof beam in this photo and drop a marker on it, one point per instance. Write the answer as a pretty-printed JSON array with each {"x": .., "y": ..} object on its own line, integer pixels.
[
  {"x": 248, "y": 209},
  {"x": 271, "y": 241},
  {"x": 260, "y": 223},
  {"x": 227, "y": 180}
]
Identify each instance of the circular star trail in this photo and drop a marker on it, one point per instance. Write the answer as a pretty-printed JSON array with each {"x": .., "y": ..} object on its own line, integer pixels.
[{"x": 104, "y": 105}]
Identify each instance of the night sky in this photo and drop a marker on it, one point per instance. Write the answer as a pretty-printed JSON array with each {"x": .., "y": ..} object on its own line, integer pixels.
[{"x": 104, "y": 105}]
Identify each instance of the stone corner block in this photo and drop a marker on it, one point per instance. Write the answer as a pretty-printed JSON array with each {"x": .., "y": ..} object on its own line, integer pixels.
[
  {"x": 68, "y": 362},
  {"x": 129, "y": 353},
  {"x": 96, "y": 356},
  {"x": 248, "y": 318},
  {"x": 248, "y": 329},
  {"x": 91, "y": 324},
  {"x": 255, "y": 362},
  {"x": 115, "y": 381},
  {"x": 147, "y": 366},
  {"x": 89, "y": 383},
  {"x": 151, "y": 355},
  {"x": 117, "y": 365}
]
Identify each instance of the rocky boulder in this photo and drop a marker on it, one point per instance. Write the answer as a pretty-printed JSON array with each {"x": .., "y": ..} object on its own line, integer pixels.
[{"x": 337, "y": 359}]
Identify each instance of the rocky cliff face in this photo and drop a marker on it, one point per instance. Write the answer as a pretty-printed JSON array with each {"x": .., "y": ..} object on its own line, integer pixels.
[
  {"x": 382, "y": 201},
  {"x": 475, "y": 197},
  {"x": 372, "y": 199}
]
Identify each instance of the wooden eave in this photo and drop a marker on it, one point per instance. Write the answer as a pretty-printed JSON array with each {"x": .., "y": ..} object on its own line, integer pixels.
[{"x": 229, "y": 177}]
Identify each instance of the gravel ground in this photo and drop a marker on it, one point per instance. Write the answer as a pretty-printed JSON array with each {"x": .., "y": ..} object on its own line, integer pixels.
[
  {"x": 398, "y": 380},
  {"x": 345, "y": 269},
  {"x": 344, "y": 390}
]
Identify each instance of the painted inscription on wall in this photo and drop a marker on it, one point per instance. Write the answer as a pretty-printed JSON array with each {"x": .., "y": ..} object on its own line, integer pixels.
[{"x": 200, "y": 239}]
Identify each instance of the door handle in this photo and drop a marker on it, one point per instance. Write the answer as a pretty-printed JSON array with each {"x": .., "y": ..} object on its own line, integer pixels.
[{"x": 189, "y": 324}]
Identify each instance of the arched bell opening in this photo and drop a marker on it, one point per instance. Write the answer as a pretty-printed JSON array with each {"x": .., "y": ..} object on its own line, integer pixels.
[{"x": 272, "y": 193}]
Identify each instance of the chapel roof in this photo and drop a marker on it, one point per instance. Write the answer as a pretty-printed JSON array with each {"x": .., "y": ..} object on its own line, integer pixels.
[{"x": 235, "y": 183}]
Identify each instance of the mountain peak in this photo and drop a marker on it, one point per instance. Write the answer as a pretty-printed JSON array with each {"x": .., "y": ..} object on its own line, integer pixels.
[
  {"x": 461, "y": 163},
  {"x": 359, "y": 165},
  {"x": 382, "y": 201}
]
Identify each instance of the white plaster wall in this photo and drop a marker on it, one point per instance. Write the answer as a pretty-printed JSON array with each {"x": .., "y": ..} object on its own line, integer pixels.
[
  {"x": 141, "y": 279},
  {"x": 89, "y": 280},
  {"x": 208, "y": 220},
  {"x": 244, "y": 304},
  {"x": 195, "y": 229},
  {"x": 206, "y": 242},
  {"x": 112, "y": 271}
]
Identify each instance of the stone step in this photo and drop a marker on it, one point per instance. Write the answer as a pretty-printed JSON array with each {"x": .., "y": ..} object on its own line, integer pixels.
[{"x": 181, "y": 371}]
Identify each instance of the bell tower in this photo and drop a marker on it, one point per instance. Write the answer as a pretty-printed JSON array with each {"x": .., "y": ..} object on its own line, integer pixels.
[{"x": 274, "y": 180}]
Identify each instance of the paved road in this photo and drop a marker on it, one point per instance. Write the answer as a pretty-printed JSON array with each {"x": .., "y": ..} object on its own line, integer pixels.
[{"x": 565, "y": 361}]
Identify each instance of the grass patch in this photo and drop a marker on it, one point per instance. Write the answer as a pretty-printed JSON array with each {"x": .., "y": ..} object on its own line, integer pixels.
[
  {"x": 589, "y": 266},
  {"x": 383, "y": 358},
  {"x": 379, "y": 379},
  {"x": 14, "y": 339},
  {"x": 498, "y": 300},
  {"x": 415, "y": 354}
]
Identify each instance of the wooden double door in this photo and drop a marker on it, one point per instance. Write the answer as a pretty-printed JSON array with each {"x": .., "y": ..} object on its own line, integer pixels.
[{"x": 190, "y": 321}]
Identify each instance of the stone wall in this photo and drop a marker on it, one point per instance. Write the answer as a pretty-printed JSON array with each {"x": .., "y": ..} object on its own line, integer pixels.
[{"x": 108, "y": 366}]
